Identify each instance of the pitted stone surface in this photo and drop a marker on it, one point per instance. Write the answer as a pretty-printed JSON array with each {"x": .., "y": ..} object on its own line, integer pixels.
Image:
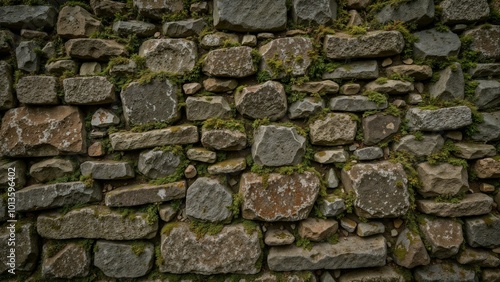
[
  {"x": 277, "y": 146},
  {"x": 208, "y": 199},
  {"x": 319, "y": 12},
  {"x": 464, "y": 11},
  {"x": 107, "y": 170},
  {"x": 72, "y": 261},
  {"x": 355, "y": 70},
  {"x": 230, "y": 62},
  {"x": 442, "y": 179},
  {"x": 489, "y": 129},
  {"x": 440, "y": 119},
  {"x": 443, "y": 234},
  {"x": 141, "y": 194},
  {"x": 223, "y": 139},
  {"x": 483, "y": 231},
  {"x": 37, "y": 90},
  {"x": 420, "y": 12},
  {"x": 470, "y": 205},
  {"x": 94, "y": 49},
  {"x": 88, "y": 90},
  {"x": 175, "y": 56},
  {"x": 334, "y": 129},
  {"x": 120, "y": 260},
  {"x": 158, "y": 163},
  {"x": 267, "y": 100},
  {"x": 202, "y": 108},
  {"x": 487, "y": 168},
  {"x": 374, "y": 44}
]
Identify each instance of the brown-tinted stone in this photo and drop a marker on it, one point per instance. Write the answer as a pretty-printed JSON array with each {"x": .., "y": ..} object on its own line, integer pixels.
[
  {"x": 444, "y": 235},
  {"x": 317, "y": 229},
  {"x": 94, "y": 49},
  {"x": 487, "y": 168},
  {"x": 334, "y": 129},
  {"x": 72, "y": 261}
]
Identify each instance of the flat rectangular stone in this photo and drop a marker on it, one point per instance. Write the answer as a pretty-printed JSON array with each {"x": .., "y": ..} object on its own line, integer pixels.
[
  {"x": 141, "y": 194},
  {"x": 439, "y": 119},
  {"x": 351, "y": 252},
  {"x": 355, "y": 70},
  {"x": 471, "y": 204},
  {"x": 107, "y": 170},
  {"x": 373, "y": 44},
  {"x": 174, "y": 135}
]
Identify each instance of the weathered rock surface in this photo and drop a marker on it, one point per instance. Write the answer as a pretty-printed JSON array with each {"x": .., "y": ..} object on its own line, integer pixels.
[
  {"x": 230, "y": 62},
  {"x": 217, "y": 39},
  {"x": 355, "y": 70},
  {"x": 442, "y": 179},
  {"x": 223, "y": 139},
  {"x": 487, "y": 94},
  {"x": 483, "y": 231},
  {"x": 489, "y": 274},
  {"x": 369, "y": 153},
  {"x": 205, "y": 107},
  {"x": 440, "y": 119},
  {"x": 156, "y": 9},
  {"x": 471, "y": 151},
  {"x": 454, "y": 11},
  {"x": 379, "y": 127},
  {"x": 331, "y": 179},
  {"x": 478, "y": 257},
  {"x": 433, "y": 44},
  {"x": 228, "y": 166},
  {"x": 26, "y": 57},
  {"x": 446, "y": 272},
  {"x": 107, "y": 170},
  {"x": 158, "y": 163},
  {"x": 471, "y": 204},
  {"x": 374, "y": 44},
  {"x": 24, "y": 16},
  {"x": 60, "y": 66},
  {"x": 123, "y": 260},
  {"x": 38, "y": 132},
  {"x": 219, "y": 84},
  {"x": 72, "y": 261},
  {"x": 319, "y": 12},
  {"x": 278, "y": 237},
  {"x": 285, "y": 197},
  {"x": 428, "y": 145},
  {"x": 317, "y": 87},
  {"x": 380, "y": 189},
  {"x": 94, "y": 49},
  {"x": 139, "y": 28},
  {"x": 315, "y": 229},
  {"x": 450, "y": 85},
  {"x": 75, "y": 22},
  {"x": 487, "y": 168},
  {"x": 175, "y": 56},
  {"x": 334, "y": 129},
  {"x": 391, "y": 87},
  {"x": 420, "y": 12},
  {"x": 355, "y": 103},
  {"x": 305, "y": 108},
  {"x": 416, "y": 72},
  {"x": 208, "y": 199},
  {"x": 489, "y": 129},
  {"x": 352, "y": 252},
  {"x": 37, "y": 90},
  {"x": 7, "y": 100},
  {"x": 366, "y": 229},
  {"x": 485, "y": 70},
  {"x": 277, "y": 146},
  {"x": 332, "y": 206},
  {"x": 104, "y": 118},
  {"x": 444, "y": 236},
  {"x": 201, "y": 155},
  {"x": 88, "y": 90},
  {"x": 26, "y": 248},
  {"x": 331, "y": 156},
  {"x": 233, "y": 250},
  {"x": 267, "y": 100},
  {"x": 141, "y": 194},
  {"x": 184, "y": 28},
  {"x": 9, "y": 165}
]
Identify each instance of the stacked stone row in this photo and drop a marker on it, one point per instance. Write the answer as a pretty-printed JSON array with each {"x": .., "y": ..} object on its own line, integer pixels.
[{"x": 67, "y": 116}]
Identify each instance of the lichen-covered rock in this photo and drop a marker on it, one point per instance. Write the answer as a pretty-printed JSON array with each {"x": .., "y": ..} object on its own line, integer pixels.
[
  {"x": 267, "y": 100},
  {"x": 369, "y": 153},
  {"x": 315, "y": 229},
  {"x": 7, "y": 100},
  {"x": 107, "y": 170},
  {"x": 24, "y": 16},
  {"x": 96, "y": 222},
  {"x": 88, "y": 90},
  {"x": 228, "y": 166},
  {"x": 219, "y": 84},
  {"x": 444, "y": 236},
  {"x": 205, "y": 107},
  {"x": 464, "y": 11},
  {"x": 26, "y": 248},
  {"x": 218, "y": 39},
  {"x": 366, "y": 229},
  {"x": 374, "y": 44},
  {"x": 379, "y": 127},
  {"x": 156, "y": 9},
  {"x": 75, "y": 22},
  {"x": 140, "y": 194},
  {"x": 483, "y": 231},
  {"x": 446, "y": 271},
  {"x": 277, "y": 146},
  {"x": 184, "y": 28},
  {"x": 223, "y": 139},
  {"x": 420, "y": 12},
  {"x": 124, "y": 259},
  {"x": 470, "y": 205},
  {"x": 290, "y": 53},
  {"x": 142, "y": 29},
  {"x": 439, "y": 119},
  {"x": 208, "y": 199},
  {"x": 230, "y": 62},
  {"x": 27, "y": 59},
  {"x": 485, "y": 70},
  {"x": 489, "y": 129},
  {"x": 380, "y": 189},
  {"x": 417, "y": 72},
  {"x": 57, "y": 265},
  {"x": 18, "y": 166},
  {"x": 317, "y": 87},
  {"x": 391, "y": 87},
  {"x": 471, "y": 151},
  {"x": 235, "y": 249},
  {"x": 450, "y": 85},
  {"x": 355, "y": 103},
  {"x": 355, "y": 70},
  {"x": 201, "y": 155},
  {"x": 175, "y": 56},
  {"x": 278, "y": 237},
  {"x": 285, "y": 197},
  {"x": 158, "y": 163},
  {"x": 353, "y": 252},
  {"x": 334, "y": 129},
  {"x": 487, "y": 94},
  {"x": 250, "y": 15},
  {"x": 487, "y": 168},
  {"x": 37, "y": 90},
  {"x": 42, "y": 132},
  {"x": 331, "y": 156},
  {"x": 305, "y": 108},
  {"x": 332, "y": 206},
  {"x": 442, "y": 179},
  {"x": 94, "y": 49},
  {"x": 427, "y": 145},
  {"x": 433, "y": 44},
  {"x": 61, "y": 66},
  {"x": 319, "y": 12},
  {"x": 479, "y": 257}
]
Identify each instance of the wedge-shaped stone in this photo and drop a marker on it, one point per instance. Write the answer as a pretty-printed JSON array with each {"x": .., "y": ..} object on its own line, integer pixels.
[
  {"x": 74, "y": 254},
  {"x": 483, "y": 231},
  {"x": 374, "y": 44},
  {"x": 450, "y": 85},
  {"x": 471, "y": 204},
  {"x": 26, "y": 248},
  {"x": 305, "y": 108},
  {"x": 136, "y": 195},
  {"x": 175, "y": 56},
  {"x": 37, "y": 90},
  {"x": 447, "y": 271},
  {"x": 355, "y": 70},
  {"x": 230, "y": 62},
  {"x": 174, "y": 135},
  {"x": 233, "y": 250},
  {"x": 24, "y": 16},
  {"x": 88, "y": 90},
  {"x": 416, "y": 72},
  {"x": 353, "y": 252},
  {"x": 409, "y": 250},
  {"x": 355, "y": 103},
  {"x": 121, "y": 260},
  {"x": 382, "y": 274},
  {"x": 96, "y": 222},
  {"x": 280, "y": 198},
  {"x": 334, "y": 129},
  {"x": 471, "y": 151},
  {"x": 485, "y": 70},
  {"x": 94, "y": 49},
  {"x": 440, "y": 119},
  {"x": 75, "y": 22},
  {"x": 444, "y": 236}
]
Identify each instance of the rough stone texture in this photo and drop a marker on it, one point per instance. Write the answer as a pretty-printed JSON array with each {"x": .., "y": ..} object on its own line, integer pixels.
[
  {"x": 444, "y": 272},
  {"x": 487, "y": 168},
  {"x": 292, "y": 52},
  {"x": 382, "y": 274},
  {"x": 440, "y": 119},
  {"x": 72, "y": 261},
  {"x": 277, "y": 237},
  {"x": 317, "y": 87},
  {"x": 120, "y": 260},
  {"x": 219, "y": 85},
  {"x": 158, "y": 163},
  {"x": 489, "y": 129},
  {"x": 94, "y": 49},
  {"x": 332, "y": 206},
  {"x": 250, "y": 16},
  {"x": 306, "y": 107},
  {"x": 355, "y": 103},
  {"x": 442, "y": 179},
  {"x": 173, "y": 135},
  {"x": 319, "y": 12},
  {"x": 471, "y": 151},
  {"x": 334, "y": 129},
  {"x": 471, "y": 204},
  {"x": 156, "y": 9},
  {"x": 148, "y": 103},
  {"x": 205, "y": 107},
  {"x": 20, "y": 168},
  {"x": 353, "y": 252},
  {"x": 201, "y": 155},
  {"x": 483, "y": 231},
  {"x": 450, "y": 85},
  {"x": 208, "y": 199},
  {"x": 7, "y": 100},
  {"x": 285, "y": 198},
  {"x": 167, "y": 212},
  {"x": 95, "y": 222},
  {"x": 277, "y": 146},
  {"x": 184, "y": 28},
  {"x": 37, "y": 90},
  {"x": 331, "y": 179},
  {"x": 379, "y": 127},
  {"x": 487, "y": 94},
  {"x": 433, "y": 44},
  {"x": 380, "y": 189},
  {"x": 267, "y": 100},
  {"x": 444, "y": 236},
  {"x": 217, "y": 39},
  {"x": 75, "y": 22},
  {"x": 373, "y": 44},
  {"x": 139, "y": 28},
  {"x": 355, "y": 70},
  {"x": 228, "y": 166},
  {"x": 489, "y": 274},
  {"x": 233, "y": 250},
  {"x": 27, "y": 59},
  {"x": 175, "y": 56},
  {"x": 369, "y": 153},
  {"x": 478, "y": 257},
  {"x": 331, "y": 156},
  {"x": 37, "y": 132},
  {"x": 104, "y": 118},
  {"x": 391, "y": 87},
  {"x": 26, "y": 246},
  {"x": 464, "y": 11},
  {"x": 24, "y": 16},
  {"x": 420, "y": 12},
  {"x": 416, "y": 72},
  {"x": 107, "y": 170},
  {"x": 366, "y": 229},
  {"x": 428, "y": 145},
  {"x": 141, "y": 194},
  {"x": 6, "y": 41},
  {"x": 88, "y": 90},
  {"x": 59, "y": 67},
  {"x": 485, "y": 70},
  {"x": 223, "y": 139},
  {"x": 90, "y": 68},
  {"x": 230, "y": 62},
  {"x": 315, "y": 229}
]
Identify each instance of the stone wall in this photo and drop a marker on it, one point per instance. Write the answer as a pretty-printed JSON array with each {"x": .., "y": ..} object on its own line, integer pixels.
[{"x": 250, "y": 140}]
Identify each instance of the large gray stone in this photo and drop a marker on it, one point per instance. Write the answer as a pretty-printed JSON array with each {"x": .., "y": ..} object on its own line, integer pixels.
[
  {"x": 124, "y": 259},
  {"x": 74, "y": 254},
  {"x": 205, "y": 107},
  {"x": 440, "y": 119},
  {"x": 223, "y": 139},
  {"x": 471, "y": 151},
  {"x": 485, "y": 70},
  {"x": 417, "y": 72},
  {"x": 382, "y": 274},
  {"x": 94, "y": 49},
  {"x": 379, "y": 188},
  {"x": 379, "y": 127},
  {"x": 156, "y": 101},
  {"x": 107, "y": 170},
  {"x": 433, "y": 44},
  {"x": 373, "y": 44},
  {"x": 88, "y": 90},
  {"x": 355, "y": 70},
  {"x": 489, "y": 129},
  {"x": 334, "y": 129},
  {"x": 292, "y": 53},
  {"x": 277, "y": 146},
  {"x": 306, "y": 107},
  {"x": 175, "y": 56},
  {"x": 319, "y": 12},
  {"x": 156, "y": 9},
  {"x": 26, "y": 246},
  {"x": 30, "y": 17},
  {"x": 141, "y": 29},
  {"x": 37, "y": 90},
  {"x": 428, "y": 144},
  {"x": 184, "y": 28},
  {"x": 42, "y": 132},
  {"x": 140, "y": 194},
  {"x": 471, "y": 204},
  {"x": 450, "y": 85},
  {"x": 420, "y": 12},
  {"x": 353, "y": 252},
  {"x": 7, "y": 100},
  {"x": 487, "y": 94},
  {"x": 235, "y": 249},
  {"x": 75, "y": 22},
  {"x": 442, "y": 179},
  {"x": 409, "y": 250},
  {"x": 483, "y": 231},
  {"x": 391, "y": 87},
  {"x": 444, "y": 236},
  {"x": 16, "y": 166},
  {"x": 96, "y": 222},
  {"x": 444, "y": 272},
  {"x": 208, "y": 199},
  {"x": 355, "y": 103},
  {"x": 158, "y": 163},
  {"x": 278, "y": 197},
  {"x": 230, "y": 62},
  {"x": 250, "y": 15},
  {"x": 267, "y": 100},
  {"x": 173, "y": 135},
  {"x": 27, "y": 59},
  {"x": 464, "y": 11}
]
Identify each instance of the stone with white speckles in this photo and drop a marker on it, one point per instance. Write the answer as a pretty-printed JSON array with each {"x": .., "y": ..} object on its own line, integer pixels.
[
  {"x": 207, "y": 199},
  {"x": 92, "y": 90},
  {"x": 141, "y": 194},
  {"x": 230, "y": 62},
  {"x": 175, "y": 56},
  {"x": 104, "y": 118},
  {"x": 443, "y": 234},
  {"x": 277, "y": 146}
]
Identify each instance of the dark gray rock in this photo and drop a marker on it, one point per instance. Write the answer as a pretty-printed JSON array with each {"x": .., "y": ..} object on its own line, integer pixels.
[
  {"x": 184, "y": 28},
  {"x": 20, "y": 173},
  {"x": 355, "y": 70},
  {"x": 51, "y": 169},
  {"x": 208, "y": 199},
  {"x": 409, "y": 250},
  {"x": 319, "y": 12},
  {"x": 369, "y": 153},
  {"x": 250, "y": 15},
  {"x": 74, "y": 254},
  {"x": 158, "y": 163},
  {"x": 470, "y": 205},
  {"x": 24, "y": 16},
  {"x": 379, "y": 127},
  {"x": 37, "y": 90},
  {"x": 440, "y": 119},
  {"x": 433, "y": 44},
  {"x": 76, "y": 22},
  {"x": 442, "y": 179},
  {"x": 487, "y": 94},
  {"x": 471, "y": 151},
  {"x": 93, "y": 90},
  {"x": 139, "y": 28},
  {"x": 334, "y": 129},
  {"x": 305, "y": 108},
  {"x": 443, "y": 234},
  {"x": 107, "y": 170},
  {"x": 483, "y": 231},
  {"x": 27, "y": 59},
  {"x": 6, "y": 41},
  {"x": 167, "y": 212},
  {"x": 355, "y": 103},
  {"x": 175, "y": 56},
  {"x": 485, "y": 70},
  {"x": 420, "y": 12},
  {"x": 277, "y": 146},
  {"x": 205, "y": 107},
  {"x": 450, "y": 85},
  {"x": 374, "y": 44},
  {"x": 428, "y": 145},
  {"x": 230, "y": 62},
  {"x": 444, "y": 272},
  {"x": 223, "y": 139},
  {"x": 156, "y": 9},
  {"x": 489, "y": 129},
  {"x": 26, "y": 248},
  {"x": 7, "y": 100},
  {"x": 140, "y": 194},
  {"x": 267, "y": 100},
  {"x": 464, "y": 11},
  {"x": 124, "y": 259},
  {"x": 94, "y": 49},
  {"x": 61, "y": 66}
]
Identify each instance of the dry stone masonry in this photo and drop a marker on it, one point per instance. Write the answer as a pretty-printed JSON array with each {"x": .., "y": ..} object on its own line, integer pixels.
[{"x": 250, "y": 140}]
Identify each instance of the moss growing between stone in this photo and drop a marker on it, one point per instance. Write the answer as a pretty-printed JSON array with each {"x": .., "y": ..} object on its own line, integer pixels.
[
  {"x": 138, "y": 248},
  {"x": 376, "y": 97},
  {"x": 203, "y": 228},
  {"x": 235, "y": 207},
  {"x": 217, "y": 123},
  {"x": 406, "y": 30},
  {"x": 303, "y": 243}
]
